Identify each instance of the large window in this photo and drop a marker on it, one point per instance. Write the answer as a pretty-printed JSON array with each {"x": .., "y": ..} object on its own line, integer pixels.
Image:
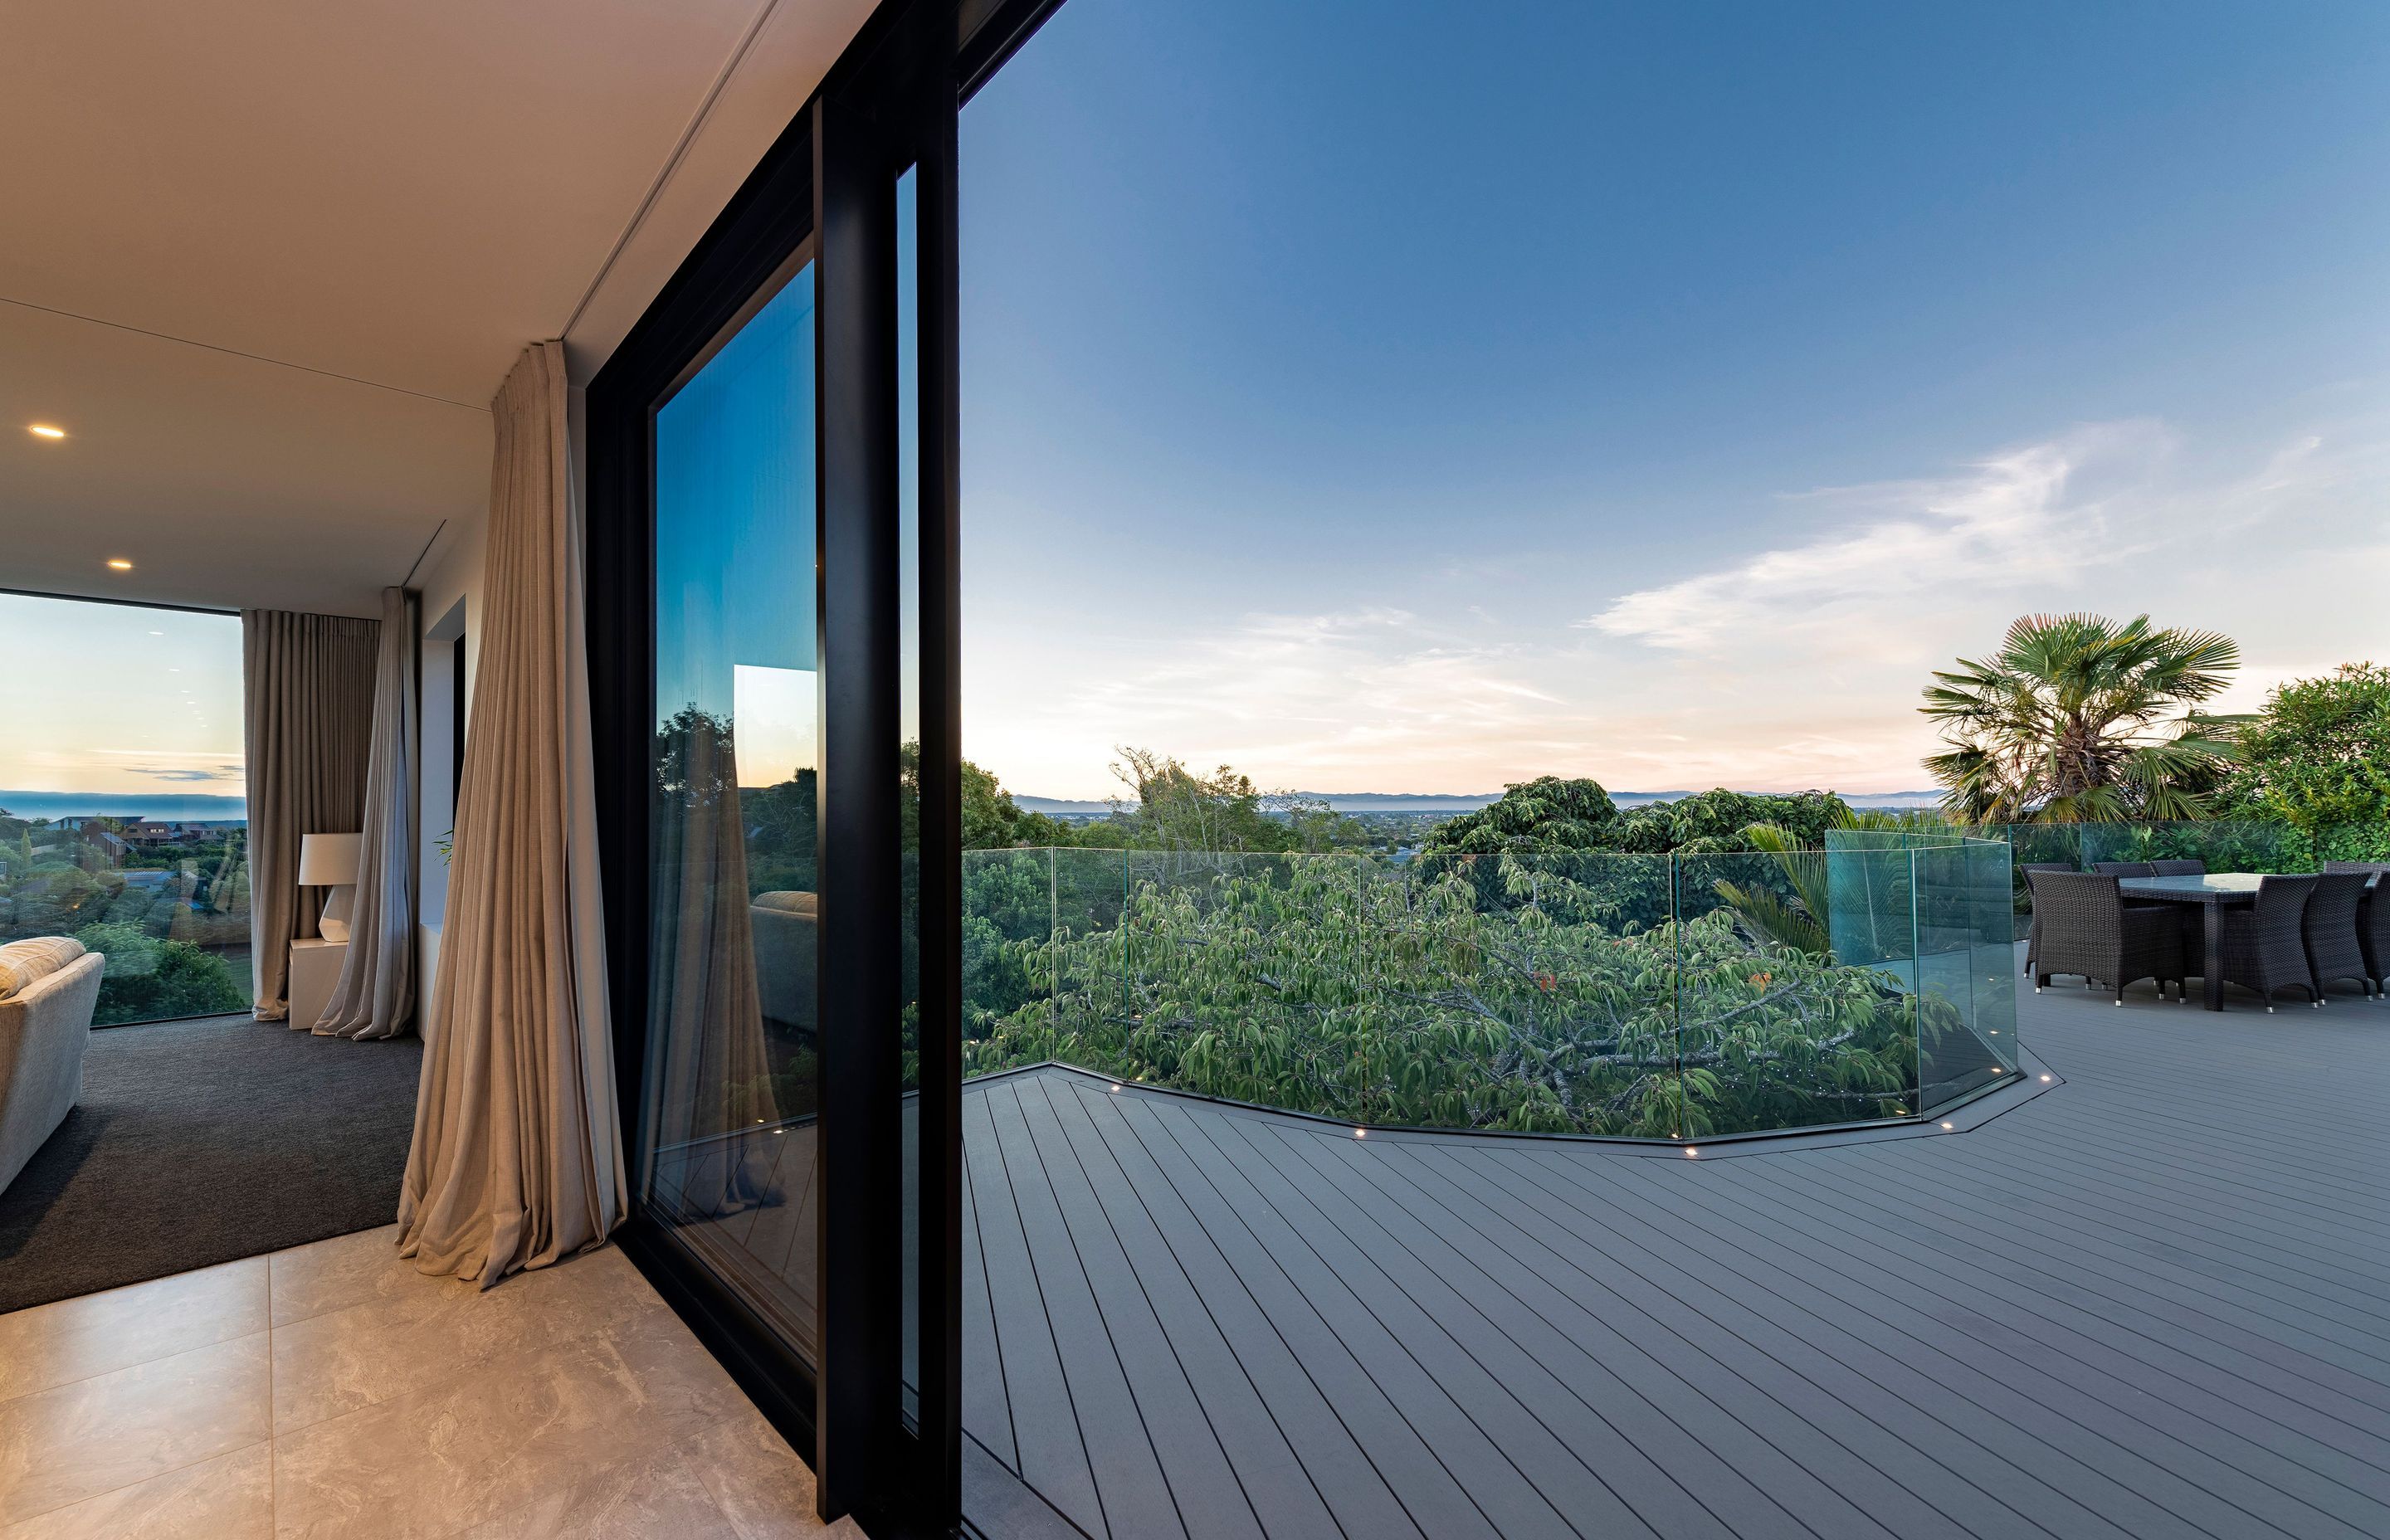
[{"x": 123, "y": 820}]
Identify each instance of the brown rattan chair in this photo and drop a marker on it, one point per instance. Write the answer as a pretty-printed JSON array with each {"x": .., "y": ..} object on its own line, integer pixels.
[
  {"x": 2373, "y": 920},
  {"x": 2089, "y": 929},
  {"x": 2032, "y": 932},
  {"x": 2178, "y": 868},
  {"x": 2263, "y": 948},
  {"x": 2329, "y": 929}
]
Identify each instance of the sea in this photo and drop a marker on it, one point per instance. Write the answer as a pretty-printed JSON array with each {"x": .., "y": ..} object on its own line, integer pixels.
[{"x": 176, "y": 807}]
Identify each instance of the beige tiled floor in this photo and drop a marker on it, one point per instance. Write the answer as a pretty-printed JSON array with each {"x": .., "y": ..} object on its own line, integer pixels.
[{"x": 331, "y": 1390}]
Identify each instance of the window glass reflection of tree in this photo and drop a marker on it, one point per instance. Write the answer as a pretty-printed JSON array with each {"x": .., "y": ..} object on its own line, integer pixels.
[{"x": 733, "y": 944}]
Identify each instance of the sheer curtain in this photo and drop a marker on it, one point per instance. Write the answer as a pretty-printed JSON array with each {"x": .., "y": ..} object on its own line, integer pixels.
[
  {"x": 307, "y": 689},
  {"x": 376, "y": 995},
  {"x": 517, "y": 1153}
]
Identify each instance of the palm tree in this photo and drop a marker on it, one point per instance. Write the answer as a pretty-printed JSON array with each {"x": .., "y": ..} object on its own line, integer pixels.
[
  {"x": 2079, "y": 720},
  {"x": 1799, "y": 920}
]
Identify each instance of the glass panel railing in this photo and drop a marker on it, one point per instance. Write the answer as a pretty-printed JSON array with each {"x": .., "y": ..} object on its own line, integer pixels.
[
  {"x": 2221, "y": 845},
  {"x": 1775, "y": 1028},
  {"x": 165, "y": 902},
  {"x": 1966, "y": 1027},
  {"x": 1994, "y": 979}
]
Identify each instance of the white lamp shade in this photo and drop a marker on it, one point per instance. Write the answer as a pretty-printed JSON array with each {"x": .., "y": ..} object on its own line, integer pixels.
[{"x": 328, "y": 860}]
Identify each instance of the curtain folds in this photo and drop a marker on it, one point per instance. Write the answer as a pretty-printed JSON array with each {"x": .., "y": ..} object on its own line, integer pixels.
[
  {"x": 715, "y": 1108},
  {"x": 376, "y": 995},
  {"x": 517, "y": 1159},
  {"x": 307, "y": 691}
]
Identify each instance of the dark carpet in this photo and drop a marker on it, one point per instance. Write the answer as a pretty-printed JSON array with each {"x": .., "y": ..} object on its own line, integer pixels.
[{"x": 198, "y": 1142}]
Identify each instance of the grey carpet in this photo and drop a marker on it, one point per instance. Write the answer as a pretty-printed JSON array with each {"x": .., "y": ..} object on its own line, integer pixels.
[{"x": 198, "y": 1142}]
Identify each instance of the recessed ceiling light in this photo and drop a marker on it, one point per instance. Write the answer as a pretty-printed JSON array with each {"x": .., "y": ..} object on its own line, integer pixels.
[
  {"x": 120, "y": 564},
  {"x": 43, "y": 430}
]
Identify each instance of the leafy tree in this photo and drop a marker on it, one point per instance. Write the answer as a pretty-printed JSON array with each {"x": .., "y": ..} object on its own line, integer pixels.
[
  {"x": 147, "y": 979},
  {"x": 1547, "y": 813},
  {"x": 1716, "y": 822},
  {"x": 1179, "y": 809},
  {"x": 1319, "y": 985},
  {"x": 2078, "y": 719},
  {"x": 1552, "y": 814},
  {"x": 2318, "y": 758}
]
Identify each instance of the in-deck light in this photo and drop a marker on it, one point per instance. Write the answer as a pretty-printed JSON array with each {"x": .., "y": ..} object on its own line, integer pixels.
[{"x": 45, "y": 430}]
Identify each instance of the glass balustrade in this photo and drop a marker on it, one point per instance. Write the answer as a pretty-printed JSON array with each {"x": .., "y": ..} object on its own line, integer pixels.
[{"x": 1656, "y": 996}]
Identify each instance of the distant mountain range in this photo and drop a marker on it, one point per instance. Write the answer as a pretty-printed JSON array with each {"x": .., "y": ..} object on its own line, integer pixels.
[
  {"x": 166, "y": 807},
  {"x": 1441, "y": 802}
]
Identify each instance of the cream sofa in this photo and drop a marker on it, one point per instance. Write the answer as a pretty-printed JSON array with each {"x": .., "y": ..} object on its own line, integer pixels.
[{"x": 47, "y": 989}]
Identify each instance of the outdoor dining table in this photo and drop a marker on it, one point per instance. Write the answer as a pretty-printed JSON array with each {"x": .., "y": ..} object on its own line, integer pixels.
[{"x": 2214, "y": 892}]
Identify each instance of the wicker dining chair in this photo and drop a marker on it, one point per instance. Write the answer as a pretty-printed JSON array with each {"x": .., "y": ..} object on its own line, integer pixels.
[
  {"x": 2373, "y": 920},
  {"x": 2329, "y": 929},
  {"x": 2089, "y": 929},
  {"x": 2135, "y": 869},
  {"x": 2032, "y": 932},
  {"x": 2178, "y": 868},
  {"x": 2263, "y": 947}
]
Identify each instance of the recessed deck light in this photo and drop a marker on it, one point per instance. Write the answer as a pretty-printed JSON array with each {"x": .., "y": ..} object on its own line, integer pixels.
[
  {"x": 43, "y": 430},
  {"x": 1948, "y": 1127},
  {"x": 120, "y": 564},
  {"x": 2045, "y": 1077},
  {"x": 1360, "y": 1132},
  {"x": 1691, "y": 1154}
]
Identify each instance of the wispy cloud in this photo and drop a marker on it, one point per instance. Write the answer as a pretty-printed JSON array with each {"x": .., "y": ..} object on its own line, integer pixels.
[
  {"x": 2013, "y": 520},
  {"x": 214, "y": 772},
  {"x": 1796, "y": 664}
]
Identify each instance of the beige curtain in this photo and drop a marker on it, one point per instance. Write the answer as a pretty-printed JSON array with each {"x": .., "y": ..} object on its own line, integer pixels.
[
  {"x": 713, "y": 1111},
  {"x": 517, "y": 1153},
  {"x": 376, "y": 995},
  {"x": 307, "y": 689}
]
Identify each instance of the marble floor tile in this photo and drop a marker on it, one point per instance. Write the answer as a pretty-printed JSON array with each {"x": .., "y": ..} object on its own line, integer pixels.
[
  {"x": 332, "y": 1274},
  {"x": 517, "y": 1430},
  {"x": 61, "y": 1446},
  {"x": 649, "y": 1495},
  {"x": 414, "y": 1334},
  {"x": 755, "y": 1478},
  {"x": 53, "y": 1344},
  {"x": 229, "y": 1497}
]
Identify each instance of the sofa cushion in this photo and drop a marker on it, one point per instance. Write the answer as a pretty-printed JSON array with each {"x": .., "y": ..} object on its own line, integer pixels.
[{"x": 22, "y": 963}]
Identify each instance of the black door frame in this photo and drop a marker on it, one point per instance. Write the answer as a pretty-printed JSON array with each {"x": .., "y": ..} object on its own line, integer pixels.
[{"x": 888, "y": 104}]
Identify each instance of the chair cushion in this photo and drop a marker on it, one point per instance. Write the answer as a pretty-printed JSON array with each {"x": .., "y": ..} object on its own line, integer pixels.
[{"x": 22, "y": 963}]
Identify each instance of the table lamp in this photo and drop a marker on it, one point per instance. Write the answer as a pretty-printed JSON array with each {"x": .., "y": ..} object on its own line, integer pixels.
[{"x": 330, "y": 861}]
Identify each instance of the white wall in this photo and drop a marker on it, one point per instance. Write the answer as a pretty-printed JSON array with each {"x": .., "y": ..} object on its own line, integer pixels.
[{"x": 450, "y": 584}]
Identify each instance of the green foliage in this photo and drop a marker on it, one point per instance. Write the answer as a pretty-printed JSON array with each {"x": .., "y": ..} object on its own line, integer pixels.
[
  {"x": 1554, "y": 813},
  {"x": 2078, "y": 719},
  {"x": 1496, "y": 993},
  {"x": 147, "y": 978},
  {"x": 2318, "y": 758}
]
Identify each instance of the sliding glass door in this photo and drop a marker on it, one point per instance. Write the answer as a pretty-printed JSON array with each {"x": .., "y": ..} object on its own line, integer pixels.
[
  {"x": 730, "y": 1083},
  {"x": 773, "y": 594}
]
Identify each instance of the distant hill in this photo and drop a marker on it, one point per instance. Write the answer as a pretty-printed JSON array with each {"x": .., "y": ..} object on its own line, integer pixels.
[
  {"x": 164, "y": 807},
  {"x": 1446, "y": 801}
]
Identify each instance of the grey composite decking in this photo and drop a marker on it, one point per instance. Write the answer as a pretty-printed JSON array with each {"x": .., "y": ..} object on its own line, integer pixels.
[{"x": 2152, "y": 1301}]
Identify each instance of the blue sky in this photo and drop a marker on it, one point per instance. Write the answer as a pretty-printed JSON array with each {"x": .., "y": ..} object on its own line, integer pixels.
[{"x": 1419, "y": 397}]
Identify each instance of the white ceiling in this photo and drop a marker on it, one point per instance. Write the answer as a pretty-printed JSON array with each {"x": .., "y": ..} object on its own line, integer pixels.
[{"x": 267, "y": 260}]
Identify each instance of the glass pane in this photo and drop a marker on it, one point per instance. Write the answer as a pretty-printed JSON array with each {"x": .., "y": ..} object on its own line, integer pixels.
[
  {"x": 1793, "y": 1005},
  {"x": 727, "y": 1141},
  {"x": 908, "y": 688},
  {"x": 130, "y": 719}
]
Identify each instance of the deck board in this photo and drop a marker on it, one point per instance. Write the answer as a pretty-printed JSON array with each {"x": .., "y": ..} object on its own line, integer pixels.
[{"x": 2153, "y": 1300}]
